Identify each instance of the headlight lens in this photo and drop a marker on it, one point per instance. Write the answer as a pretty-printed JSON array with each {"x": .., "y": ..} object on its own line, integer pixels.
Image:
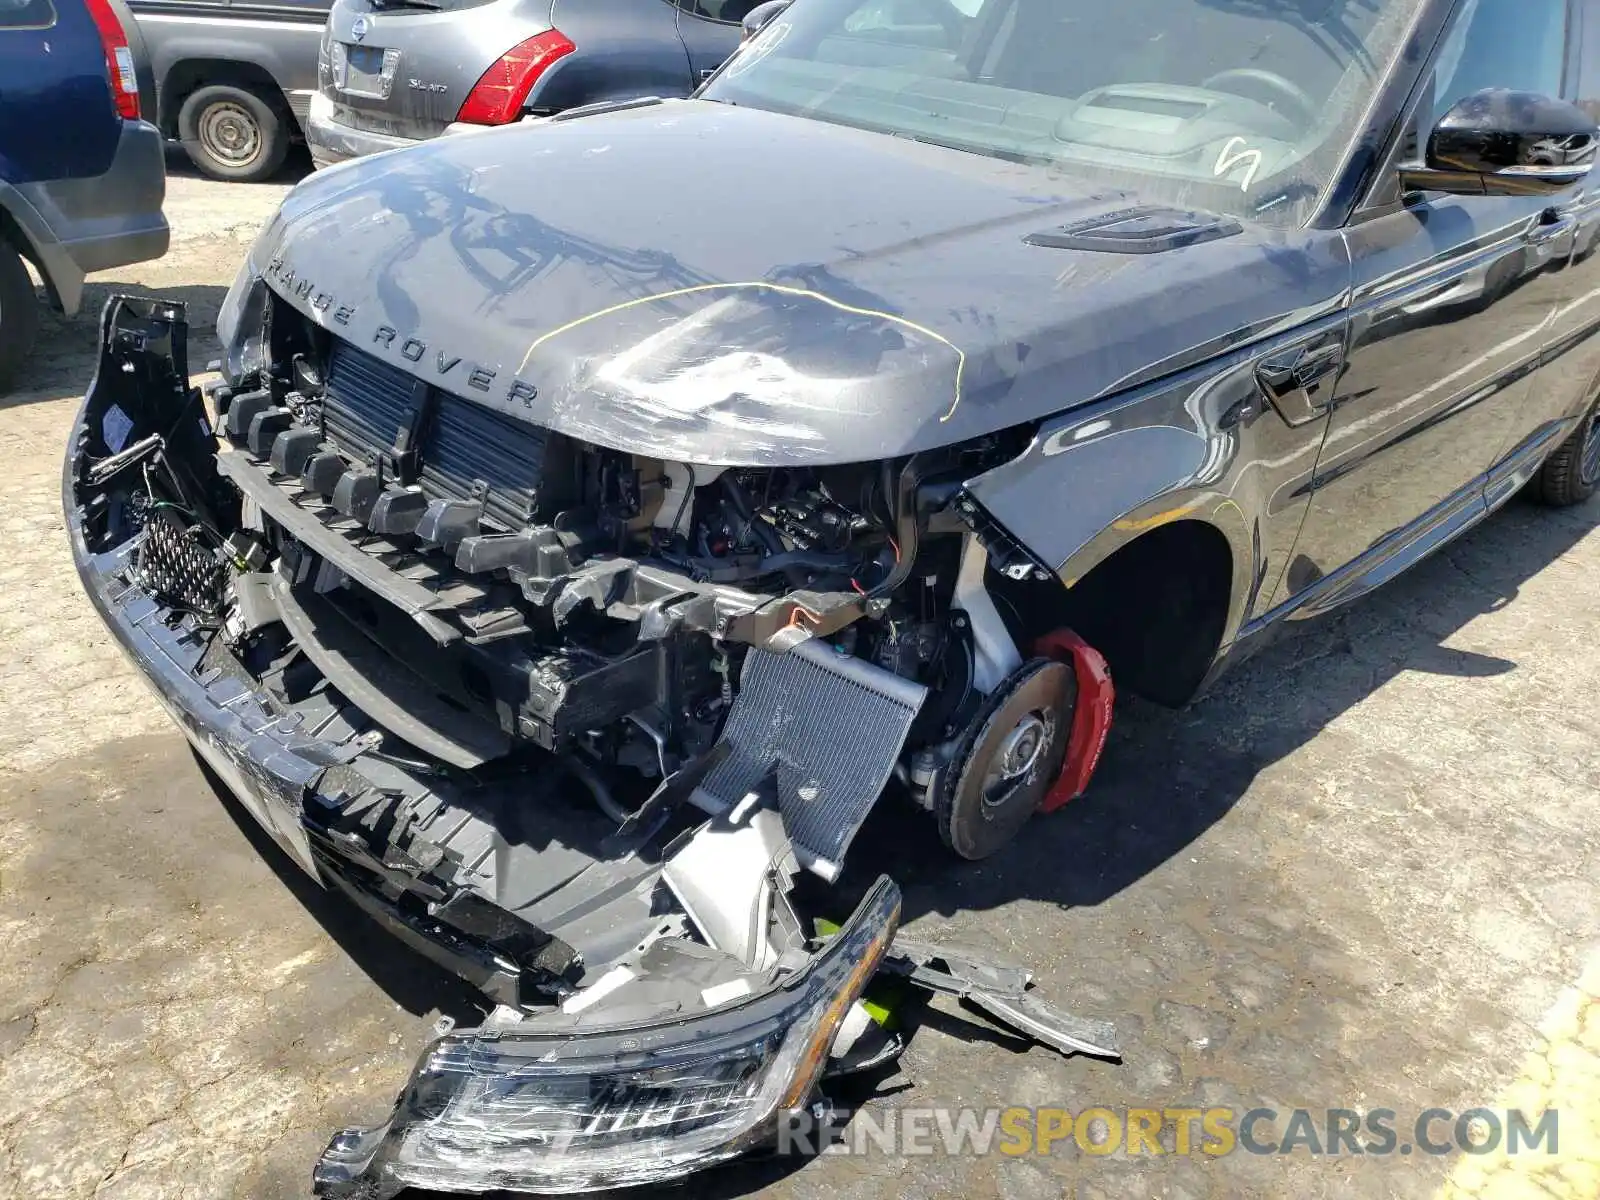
[
  {"x": 242, "y": 325},
  {"x": 581, "y": 1111}
]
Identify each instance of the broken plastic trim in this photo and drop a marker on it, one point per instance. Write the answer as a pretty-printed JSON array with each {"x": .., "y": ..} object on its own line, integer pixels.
[
  {"x": 556, "y": 1113},
  {"x": 1003, "y": 992}
]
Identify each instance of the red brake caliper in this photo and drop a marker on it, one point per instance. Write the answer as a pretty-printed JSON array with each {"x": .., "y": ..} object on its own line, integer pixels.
[{"x": 1091, "y": 718}]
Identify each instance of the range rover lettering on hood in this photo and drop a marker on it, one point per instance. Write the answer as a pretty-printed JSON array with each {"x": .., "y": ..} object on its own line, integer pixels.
[{"x": 448, "y": 366}]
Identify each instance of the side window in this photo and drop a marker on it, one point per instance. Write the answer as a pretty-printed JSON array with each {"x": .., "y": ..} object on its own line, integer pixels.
[
  {"x": 728, "y": 11},
  {"x": 26, "y": 14},
  {"x": 1517, "y": 44}
]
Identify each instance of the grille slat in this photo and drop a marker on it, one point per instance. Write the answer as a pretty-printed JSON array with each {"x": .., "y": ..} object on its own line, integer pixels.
[
  {"x": 467, "y": 444},
  {"x": 466, "y": 452},
  {"x": 366, "y": 404}
]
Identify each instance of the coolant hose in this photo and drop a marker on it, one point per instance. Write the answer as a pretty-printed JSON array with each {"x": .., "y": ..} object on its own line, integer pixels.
[
  {"x": 796, "y": 576},
  {"x": 590, "y": 778},
  {"x": 906, "y": 525}
]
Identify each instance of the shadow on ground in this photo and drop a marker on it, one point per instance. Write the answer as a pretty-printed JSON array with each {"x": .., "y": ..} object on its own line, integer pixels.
[{"x": 63, "y": 358}]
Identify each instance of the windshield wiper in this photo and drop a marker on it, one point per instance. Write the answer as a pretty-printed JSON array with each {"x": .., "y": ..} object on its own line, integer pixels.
[
  {"x": 1017, "y": 156},
  {"x": 430, "y": 5}
]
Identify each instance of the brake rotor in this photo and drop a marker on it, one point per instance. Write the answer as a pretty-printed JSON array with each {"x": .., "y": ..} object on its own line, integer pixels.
[{"x": 1007, "y": 760}]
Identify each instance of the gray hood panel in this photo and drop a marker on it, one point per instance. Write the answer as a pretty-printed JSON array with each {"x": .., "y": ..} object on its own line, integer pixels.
[{"x": 729, "y": 286}]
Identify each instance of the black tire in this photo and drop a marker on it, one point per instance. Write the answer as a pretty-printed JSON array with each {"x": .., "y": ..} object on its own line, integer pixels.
[
  {"x": 19, "y": 314},
  {"x": 973, "y": 825},
  {"x": 1571, "y": 474},
  {"x": 233, "y": 133}
]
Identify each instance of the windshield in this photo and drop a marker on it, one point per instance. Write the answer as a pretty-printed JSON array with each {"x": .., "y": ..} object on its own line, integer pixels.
[{"x": 1238, "y": 106}]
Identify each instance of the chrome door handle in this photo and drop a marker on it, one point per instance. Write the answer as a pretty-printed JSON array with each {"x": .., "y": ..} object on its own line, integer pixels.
[
  {"x": 1552, "y": 225},
  {"x": 1303, "y": 367}
]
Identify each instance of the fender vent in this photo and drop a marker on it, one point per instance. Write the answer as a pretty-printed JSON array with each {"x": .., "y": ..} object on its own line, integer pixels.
[{"x": 1143, "y": 230}]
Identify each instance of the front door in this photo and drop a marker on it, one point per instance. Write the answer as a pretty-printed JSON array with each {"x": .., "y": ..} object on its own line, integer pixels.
[{"x": 1454, "y": 298}]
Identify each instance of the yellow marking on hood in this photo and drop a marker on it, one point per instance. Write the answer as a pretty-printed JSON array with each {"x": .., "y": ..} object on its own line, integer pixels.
[{"x": 781, "y": 289}]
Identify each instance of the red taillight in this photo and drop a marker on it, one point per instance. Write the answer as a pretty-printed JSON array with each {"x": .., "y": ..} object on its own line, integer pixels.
[
  {"x": 499, "y": 94},
  {"x": 119, "y": 59}
]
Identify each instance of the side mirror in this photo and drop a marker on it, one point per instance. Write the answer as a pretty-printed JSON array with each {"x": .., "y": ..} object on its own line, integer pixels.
[
  {"x": 756, "y": 19},
  {"x": 1502, "y": 143}
]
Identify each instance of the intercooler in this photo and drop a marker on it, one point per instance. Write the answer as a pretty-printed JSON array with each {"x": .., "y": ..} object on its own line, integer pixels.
[{"x": 453, "y": 448}]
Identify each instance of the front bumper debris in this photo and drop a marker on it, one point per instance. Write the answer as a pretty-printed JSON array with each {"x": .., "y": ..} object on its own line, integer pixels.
[
  {"x": 621, "y": 1051},
  {"x": 544, "y": 1111},
  {"x": 496, "y": 1108}
]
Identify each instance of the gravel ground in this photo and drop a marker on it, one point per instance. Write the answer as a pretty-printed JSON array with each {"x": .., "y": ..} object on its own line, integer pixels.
[{"x": 1362, "y": 874}]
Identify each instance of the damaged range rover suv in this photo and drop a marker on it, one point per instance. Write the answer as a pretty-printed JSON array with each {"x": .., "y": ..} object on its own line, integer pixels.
[{"x": 598, "y": 518}]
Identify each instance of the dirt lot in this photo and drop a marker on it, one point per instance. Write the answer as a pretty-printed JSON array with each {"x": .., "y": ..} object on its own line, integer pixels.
[{"x": 1362, "y": 875}]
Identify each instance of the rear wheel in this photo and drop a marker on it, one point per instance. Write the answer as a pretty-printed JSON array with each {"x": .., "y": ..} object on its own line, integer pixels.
[
  {"x": 233, "y": 133},
  {"x": 19, "y": 314},
  {"x": 1571, "y": 474}
]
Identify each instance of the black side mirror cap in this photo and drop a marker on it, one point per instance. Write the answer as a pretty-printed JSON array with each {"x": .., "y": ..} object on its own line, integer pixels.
[
  {"x": 1504, "y": 143},
  {"x": 756, "y": 19}
]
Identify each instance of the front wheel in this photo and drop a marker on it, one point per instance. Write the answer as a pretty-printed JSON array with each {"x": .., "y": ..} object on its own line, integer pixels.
[
  {"x": 1571, "y": 474},
  {"x": 233, "y": 133},
  {"x": 1007, "y": 760},
  {"x": 19, "y": 314}
]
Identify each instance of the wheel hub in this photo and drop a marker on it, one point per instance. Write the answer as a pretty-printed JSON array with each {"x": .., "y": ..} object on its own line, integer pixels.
[
  {"x": 229, "y": 132},
  {"x": 1017, "y": 756},
  {"x": 1005, "y": 762}
]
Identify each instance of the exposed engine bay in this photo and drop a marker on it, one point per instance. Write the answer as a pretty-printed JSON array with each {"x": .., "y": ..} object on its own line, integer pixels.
[
  {"x": 609, "y": 607},
  {"x": 594, "y": 730}
]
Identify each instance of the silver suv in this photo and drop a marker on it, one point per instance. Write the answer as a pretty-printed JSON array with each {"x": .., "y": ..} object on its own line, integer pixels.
[{"x": 394, "y": 72}]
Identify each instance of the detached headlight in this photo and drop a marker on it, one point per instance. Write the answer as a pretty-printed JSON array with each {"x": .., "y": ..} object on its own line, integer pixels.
[
  {"x": 242, "y": 325},
  {"x": 583, "y": 1110}
]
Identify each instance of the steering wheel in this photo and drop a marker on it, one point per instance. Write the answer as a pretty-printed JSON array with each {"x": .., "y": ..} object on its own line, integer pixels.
[{"x": 1292, "y": 92}]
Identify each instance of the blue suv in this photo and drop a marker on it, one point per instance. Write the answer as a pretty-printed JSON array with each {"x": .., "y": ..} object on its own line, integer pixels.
[{"x": 82, "y": 177}]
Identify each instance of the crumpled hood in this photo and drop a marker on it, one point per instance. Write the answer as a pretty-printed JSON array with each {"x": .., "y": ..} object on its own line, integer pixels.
[{"x": 725, "y": 285}]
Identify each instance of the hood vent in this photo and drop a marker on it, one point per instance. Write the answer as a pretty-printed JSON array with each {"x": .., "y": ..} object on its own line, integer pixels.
[{"x": 1146, "y": 230}]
